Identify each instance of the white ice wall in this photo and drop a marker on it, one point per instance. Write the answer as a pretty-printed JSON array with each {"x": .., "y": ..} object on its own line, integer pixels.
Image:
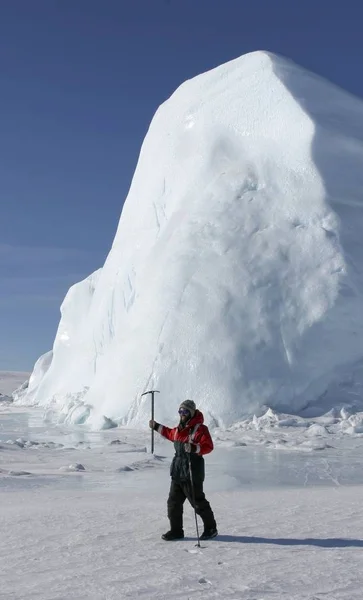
[{"x": 235, "y": 277}]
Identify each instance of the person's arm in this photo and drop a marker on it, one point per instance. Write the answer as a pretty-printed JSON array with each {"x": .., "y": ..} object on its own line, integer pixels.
[
  {"x": 166, "y": 432},
  {"x": 203, "y": 443}
]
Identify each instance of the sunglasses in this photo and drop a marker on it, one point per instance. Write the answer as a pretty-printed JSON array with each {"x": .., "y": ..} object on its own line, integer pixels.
[{"x": 183, "y": 411}]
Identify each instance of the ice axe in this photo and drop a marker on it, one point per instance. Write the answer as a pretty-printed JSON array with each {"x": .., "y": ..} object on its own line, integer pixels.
[
  {"x": 193, "y": 498},
  {"x": 152, "y": 392}
]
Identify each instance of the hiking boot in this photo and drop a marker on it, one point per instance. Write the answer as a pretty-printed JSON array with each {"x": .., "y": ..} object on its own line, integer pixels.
[
  {"x": 171, "y": 535},
  {"x": 209, "y": 533}
]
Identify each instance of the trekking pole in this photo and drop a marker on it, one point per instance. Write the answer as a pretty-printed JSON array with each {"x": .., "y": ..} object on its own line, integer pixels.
[
  {"x": 152, "y": 392},
  {"x": 193, "y": 498}
]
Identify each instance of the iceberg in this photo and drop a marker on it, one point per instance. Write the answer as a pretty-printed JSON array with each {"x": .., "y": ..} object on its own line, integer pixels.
[{"x": 235, "y": 276}]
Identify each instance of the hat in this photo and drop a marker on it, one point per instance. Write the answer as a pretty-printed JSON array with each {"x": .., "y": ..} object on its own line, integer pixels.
[{"x": 189, "y": 405}]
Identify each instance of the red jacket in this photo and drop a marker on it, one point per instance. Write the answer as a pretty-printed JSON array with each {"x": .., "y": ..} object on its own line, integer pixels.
[{"x": 201, "y": 438}]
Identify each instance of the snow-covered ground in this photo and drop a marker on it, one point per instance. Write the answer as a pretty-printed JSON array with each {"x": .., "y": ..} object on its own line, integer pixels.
[{"x": 82, "y": 513}]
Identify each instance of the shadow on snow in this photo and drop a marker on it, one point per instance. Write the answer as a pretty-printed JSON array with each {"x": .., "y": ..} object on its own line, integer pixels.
[{"x": 322, "y": 543}]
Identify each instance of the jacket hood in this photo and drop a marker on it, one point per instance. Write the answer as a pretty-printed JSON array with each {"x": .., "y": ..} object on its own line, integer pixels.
[{"x": 197, "y": 418}]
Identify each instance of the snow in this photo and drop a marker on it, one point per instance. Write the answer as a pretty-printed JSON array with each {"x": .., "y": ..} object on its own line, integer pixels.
[
  {"x": 235, "y": 277},
  {"x": 290, "y": 524}
]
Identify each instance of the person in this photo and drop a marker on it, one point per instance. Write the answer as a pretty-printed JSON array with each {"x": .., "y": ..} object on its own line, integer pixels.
[{"x": 191, "y": 441}]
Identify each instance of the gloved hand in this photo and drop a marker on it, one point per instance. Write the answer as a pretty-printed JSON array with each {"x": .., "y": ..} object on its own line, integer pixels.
[
  {"x": 190, "y": 447},
  {"x": 152, "y": 424}
]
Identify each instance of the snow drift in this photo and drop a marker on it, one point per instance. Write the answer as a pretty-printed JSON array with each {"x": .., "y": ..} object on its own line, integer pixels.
[{"x": 235, "y": 277}]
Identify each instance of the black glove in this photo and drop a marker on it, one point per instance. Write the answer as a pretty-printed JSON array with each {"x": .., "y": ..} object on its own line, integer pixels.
[{"x": 154, "y": 425}]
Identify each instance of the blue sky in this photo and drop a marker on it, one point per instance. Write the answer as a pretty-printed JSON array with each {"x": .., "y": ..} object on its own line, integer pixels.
[{"x": 79, "y": 83}]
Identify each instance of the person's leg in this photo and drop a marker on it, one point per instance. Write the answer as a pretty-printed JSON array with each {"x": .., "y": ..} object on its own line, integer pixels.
[
  {"x": 202, "y": 506},
  {"x": 175, "y": 503}
]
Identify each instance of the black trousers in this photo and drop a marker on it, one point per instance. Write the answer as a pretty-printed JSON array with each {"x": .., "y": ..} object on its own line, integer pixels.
[{"x": 177, "y": 496}]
